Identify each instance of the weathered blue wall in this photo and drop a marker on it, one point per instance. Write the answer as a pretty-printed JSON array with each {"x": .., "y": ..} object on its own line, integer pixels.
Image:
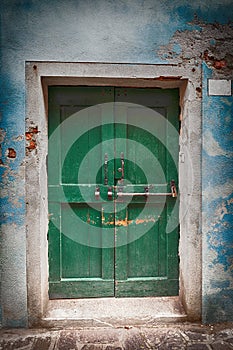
[
  {"x": 217, "y": 211},
  {"x": 152, "y": 31}
]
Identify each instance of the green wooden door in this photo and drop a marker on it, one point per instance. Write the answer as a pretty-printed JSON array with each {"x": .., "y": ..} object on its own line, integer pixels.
[
  {"x": 147, "y": 262},
  {"x": 102, "y": 240}
]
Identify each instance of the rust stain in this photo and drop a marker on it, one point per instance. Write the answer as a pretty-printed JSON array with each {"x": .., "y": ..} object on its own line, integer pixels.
[
  {"x": 126, "y": 222},
  {"x": 220, "y": 64},
  {"x": 217, "y": 64},
  {"x": 109, "y": 223},
  {"x": 32, "y": 145},
  {"x": 123, "y": 222},
  {"x": 11, "y": 153},
  {"x": 30, "y": 137}
]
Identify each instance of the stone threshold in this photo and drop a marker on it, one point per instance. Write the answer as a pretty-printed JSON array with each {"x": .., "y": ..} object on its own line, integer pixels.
[{"x": 113, "y": 312}]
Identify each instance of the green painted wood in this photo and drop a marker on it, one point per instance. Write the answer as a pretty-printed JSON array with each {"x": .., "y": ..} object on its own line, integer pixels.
[
  {"x": 145, "y": 259},
  {"x": 80, "y": 264},
  {"x": 147, "y": 263},
  {"x": 81, "y": 289},
  {"x": 145, "y": 287},
  {"x": 74, "y": 193}
]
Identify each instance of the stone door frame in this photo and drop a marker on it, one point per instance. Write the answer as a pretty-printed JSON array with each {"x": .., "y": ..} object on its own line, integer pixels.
[{"x": 40, "y": 75}]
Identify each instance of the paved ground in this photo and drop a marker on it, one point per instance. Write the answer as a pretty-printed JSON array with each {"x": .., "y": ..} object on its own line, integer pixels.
[{"x": 161, "y": 337}]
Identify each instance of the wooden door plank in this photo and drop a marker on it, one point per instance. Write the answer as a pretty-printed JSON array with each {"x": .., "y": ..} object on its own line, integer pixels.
[
  {"x": 86, "y": 264},
  {"x": 150, "y": 260}
]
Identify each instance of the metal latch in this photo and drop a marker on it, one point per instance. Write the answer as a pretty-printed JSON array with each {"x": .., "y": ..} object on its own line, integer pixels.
[
  {"x": 106, "y": 169},
  {"x": 97, "y": 193},
  {"x": 173, "y": 189},
  {"x": 110, "y": 193},
  {"x": 122, "y": 170},
  {"x": 146, "y": 192}
]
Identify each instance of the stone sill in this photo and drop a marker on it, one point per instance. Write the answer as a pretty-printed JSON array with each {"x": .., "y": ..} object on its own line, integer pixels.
[{"x": 113, "y": 312}]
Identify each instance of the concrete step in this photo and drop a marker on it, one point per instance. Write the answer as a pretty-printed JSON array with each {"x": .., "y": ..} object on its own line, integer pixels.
[{"x": 111, "y": 312}]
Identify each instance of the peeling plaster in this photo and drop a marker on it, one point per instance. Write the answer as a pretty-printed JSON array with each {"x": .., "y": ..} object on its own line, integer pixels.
[
  {"x": 12, "y": 196},
  {"x": 212, "y": 147},
  {"x": 217, "y": 202},
  {"x": 198, "y": 45},
  {"x": 31, "y": 139},
  {"x": 213, "y": 193},
  {"x": 168, "y": 32},
  {"x": 11, "y": 153}
]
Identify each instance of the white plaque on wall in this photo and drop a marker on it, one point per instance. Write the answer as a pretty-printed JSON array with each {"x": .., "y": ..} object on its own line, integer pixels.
[{"x": 219, "y": 87}]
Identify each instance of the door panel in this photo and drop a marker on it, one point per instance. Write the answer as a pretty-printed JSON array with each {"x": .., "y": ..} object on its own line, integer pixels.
[
  {"x": 80, "y": 261},
  {"x": 79, "y": 264},
  {"x": 143, "y": 266},
  {"x": 123, "y": 248}
]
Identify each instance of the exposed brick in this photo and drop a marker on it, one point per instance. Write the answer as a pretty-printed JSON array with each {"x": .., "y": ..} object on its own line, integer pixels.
[{"x": 11, "y": 153}]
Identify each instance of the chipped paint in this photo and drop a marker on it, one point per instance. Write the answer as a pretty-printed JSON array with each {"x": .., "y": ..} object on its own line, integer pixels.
[
  {"x": 127, "y": 222},
  {"x": 217, "y": 204},
  {"x": 213, "y": 148},
  {"x": 196, "y": 46},
  {"x": 123, "y": 222},
  {"x": 11, "y": 153},
  {"x": 162, "y": 32},
  {"x": 144, "y": 221},
  {"x": 30, "y": 136}
]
